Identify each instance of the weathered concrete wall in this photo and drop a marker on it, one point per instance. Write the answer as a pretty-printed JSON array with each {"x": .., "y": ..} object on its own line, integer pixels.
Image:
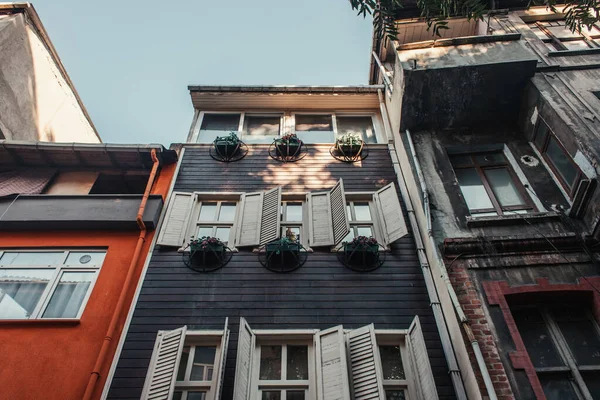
[{"x": 36, "y": 102}]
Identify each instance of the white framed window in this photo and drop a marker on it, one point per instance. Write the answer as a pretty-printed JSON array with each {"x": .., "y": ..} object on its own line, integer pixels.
[
  {"x": 292, "y": 219},
  {"x": 41, "y": 284},
  {"x": 362, "y": 215},
  {"x": 214, "y": 218},
  {"x": 558, "y": 37},
  {"x": 187, "y": 365},
  {"x": 264, "y": 127}
]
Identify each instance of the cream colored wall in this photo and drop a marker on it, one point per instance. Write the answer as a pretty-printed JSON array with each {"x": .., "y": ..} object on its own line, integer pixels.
[
  {"x": 72, "y": 183},
  {"x": 36, "y": 102}
]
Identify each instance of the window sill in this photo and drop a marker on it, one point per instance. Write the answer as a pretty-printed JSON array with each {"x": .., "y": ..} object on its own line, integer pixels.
[
  {"x": 582, "y": 52},
  {"x": 46, "y": 321},
  {"x": 511, "y": 219}
]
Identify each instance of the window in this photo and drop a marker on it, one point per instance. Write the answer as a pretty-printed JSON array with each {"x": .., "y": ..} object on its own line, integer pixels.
[
  {"x": 563, "y": 343},
  {"x": 559, "y": 160},
  {"x": 557, "y": 36},
  {"x": 283, "y": 369},
  {"x": 215, "y": 218},
  {"x": 187, "y": 365},
  {"x": 489, "y": 184},
  {"x": 46, "y": 283},
  {"x": 360, "y": 217},
  {"x": 257, "y": 127},
  {"x": 292, "y": 217}
]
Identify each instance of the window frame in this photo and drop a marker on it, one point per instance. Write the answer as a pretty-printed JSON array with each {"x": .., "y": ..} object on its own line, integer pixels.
[
  {"x": 195, "y": 339},
  {"x": 592, "y": 41},
  {"x": 563, "y": 350},
  {"x": 334, "y": 124},
  {"x": 54, "y": 281},
  {"x": 528, "y": 205},
  {"x": 298, "y": 199},
  {"x": 397, "y": 338},
  {"x": 569, "y": 190},
  {"x": 283, "y": 338},
  {"x": 373, "y": 223},
  {"x": 193, "y": 223},
  {"x": 215, "y": 224}
]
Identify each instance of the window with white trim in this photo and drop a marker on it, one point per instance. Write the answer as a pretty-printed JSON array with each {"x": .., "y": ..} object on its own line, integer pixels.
[
  {"x": 361, "y": 216},
  {"x": 292, "y": 219},
  {"x": 215, "y": 218},
  {"x": 558, "y": 37},
  {"x": 264, "y": 127},
  {"x": 392, "y": 352},
  {"x": 39, "y": 284}
]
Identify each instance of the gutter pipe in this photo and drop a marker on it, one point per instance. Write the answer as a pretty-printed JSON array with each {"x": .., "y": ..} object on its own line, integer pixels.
[
  {"x": 95, "y": 375},
  {"x": 457, "y": 307}
]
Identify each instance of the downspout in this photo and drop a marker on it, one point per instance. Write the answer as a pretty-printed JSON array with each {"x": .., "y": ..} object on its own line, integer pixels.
[
  {"x": 89, "y": 390},
  {"x": 444, "y": 274},
  {"x": 435, "y": 304}
]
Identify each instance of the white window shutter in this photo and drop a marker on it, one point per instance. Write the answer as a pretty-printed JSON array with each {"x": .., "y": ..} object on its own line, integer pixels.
[
  {"x": 248, "y": 228},
  {"x": 365, "y": 364},
  {"x": 339, "y": 217},
  {"x": 332, "y": 367},
  {"x": 390, "y": 214},
  {"x": 222, "y": 360},
  {"x": 319, "y": 223},
  {"x": 160, "y": 379},
  {"x": 270, "y": 221},
  {"x": 175, "y": 224},
  {"x": 425, "y": 385},
  {"x": 243, "y": 364}
]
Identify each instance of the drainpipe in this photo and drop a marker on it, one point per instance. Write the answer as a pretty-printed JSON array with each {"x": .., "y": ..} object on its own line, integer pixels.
[
  {"x": 444, "y": 273},
  {"x": 89, "y": 390}
]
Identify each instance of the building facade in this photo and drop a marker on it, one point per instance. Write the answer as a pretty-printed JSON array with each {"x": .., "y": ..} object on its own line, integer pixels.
[
  {"x": 39, "y": 101},
  {"x": 285, "y": 323},
  {"x": 498, "y": 122},
  {"x": 77, "y": 222}
]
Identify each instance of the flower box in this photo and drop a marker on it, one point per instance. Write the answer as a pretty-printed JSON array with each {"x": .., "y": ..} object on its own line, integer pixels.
[
  {"x": 362, "y": 253},
  {"x": 206, "y": 251},
  {"x": 349, "y": 150},
  {"x": 283, "y": 255},
  {"x": 288, "y": 148},
  {"x": 227, "y": 146}
]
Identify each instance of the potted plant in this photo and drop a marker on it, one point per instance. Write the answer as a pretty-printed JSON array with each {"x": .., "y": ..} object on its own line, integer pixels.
[
  {"x": 362, "y": 251},
  {"x": 349, "y": 145},
  {"x": 227, "y": 146},
  {"x": 206, "y": 250},
  {"x": 288, "y": 145}
]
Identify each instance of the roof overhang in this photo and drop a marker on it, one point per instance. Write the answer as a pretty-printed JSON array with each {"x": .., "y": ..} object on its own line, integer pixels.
[
  {"x": 216, "y": 98},
  {"x": 15, "y": 153}
]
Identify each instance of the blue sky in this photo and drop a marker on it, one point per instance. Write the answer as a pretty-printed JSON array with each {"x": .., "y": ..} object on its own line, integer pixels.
[{"x": 131, "y": 61}]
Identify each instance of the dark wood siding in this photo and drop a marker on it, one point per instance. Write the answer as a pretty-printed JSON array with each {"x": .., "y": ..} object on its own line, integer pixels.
[{"x": 321, "y": 294}]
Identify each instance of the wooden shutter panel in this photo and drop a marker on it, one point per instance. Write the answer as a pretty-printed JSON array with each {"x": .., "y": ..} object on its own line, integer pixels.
[
  {"x": 270, "y": 221},
  {"x": 319, "y": 224},
  {"x": 222, "y": 359},
  {"x": 421, "y": 368},
  {"x": 365, "y": 364},
  {"x": 390, "y": 213},
  {"x": 332, "y": 368},
  {"x": 175, "y": 224},
  {"x": 248, "y": 230},
  {"x": 160, "y": 380},
  {"x": 339, "y": 217},
  {"x": 243, "y": 364}
]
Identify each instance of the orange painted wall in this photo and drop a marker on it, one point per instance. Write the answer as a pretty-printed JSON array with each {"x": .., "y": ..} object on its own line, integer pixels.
[{"x": 54, "y": 360}]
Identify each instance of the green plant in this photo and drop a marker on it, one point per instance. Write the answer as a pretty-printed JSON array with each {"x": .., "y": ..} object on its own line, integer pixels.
[
  {"x": 290, "y": 137},
  {"x": 362, "y": 241},
  {"x": 232, "y": 139},
  {"x": 349, "y": 139},
  {"x": 205, "y": 242}
]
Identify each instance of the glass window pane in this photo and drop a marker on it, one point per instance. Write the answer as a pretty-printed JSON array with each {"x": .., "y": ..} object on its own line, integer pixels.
[
  {"x": 227, "y": 212},
  {"x": 314, "y": 128},
  {"x": 504, "y": 187},
  {"x": 297, "y": 363},
  {"x": 294, "y": 395},
  {"x": 185, "y": 356},
  {"x": 196, "y": 395},
  {"x": 360, "y": 126},
  {"x": 293, "y": 212},
  {"x": 203, "y": 364},
  {"x": 204, "y": 231},
  {"x": 223, "y": 233},
  {"x": 32, "y": 258},
  {"x": 85, "y": 258},
  {"x": 291, "y": 232},
  {"x": 576, "y": 45},
  {"x": 538, "y": 32},
  {"x": 362, "y": 211},
  {"x": 349, "y": 236},
  {"x": 561, "y": 161},
  {"x": 559, "y": 30},
  {"x": 271, "y": 395},
  {"x": 540, "y": 135},
  {"x": 214, "y": 125},
  {"x": 20, "y": 291},
  {"x": 261, "y": 129},
  {"x": 472, "y": 189},
  {"x": 394, "y": 395},
  {"x": 537, "y": 339},
  {"x": 461, "y": 160},
  {"x": 69, "y": 294},
  {"x": 364, "y": 231},
  {"x": 207, "y": 212},
  {"x": 349, "y": 212},
  {"x": 177, "y": 395},
  {"x": 270, "y": 362},
  {"x": 391, "y": 362},
  {"x": 557, "y": 387},
  {"x": 580, "y": 333},
  {"x": 490, "y": 158},
  {"x": 592, "y": 381}
]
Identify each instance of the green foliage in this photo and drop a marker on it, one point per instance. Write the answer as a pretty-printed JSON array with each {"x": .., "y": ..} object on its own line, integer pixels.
[
  {"x": 231, "y": 138},
  {"x": 349, "y": 139},
  {"x": 578, "y": 13}
]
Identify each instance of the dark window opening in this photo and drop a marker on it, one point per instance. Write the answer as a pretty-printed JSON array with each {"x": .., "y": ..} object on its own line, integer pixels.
[{"x": 119, "y": 184}]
